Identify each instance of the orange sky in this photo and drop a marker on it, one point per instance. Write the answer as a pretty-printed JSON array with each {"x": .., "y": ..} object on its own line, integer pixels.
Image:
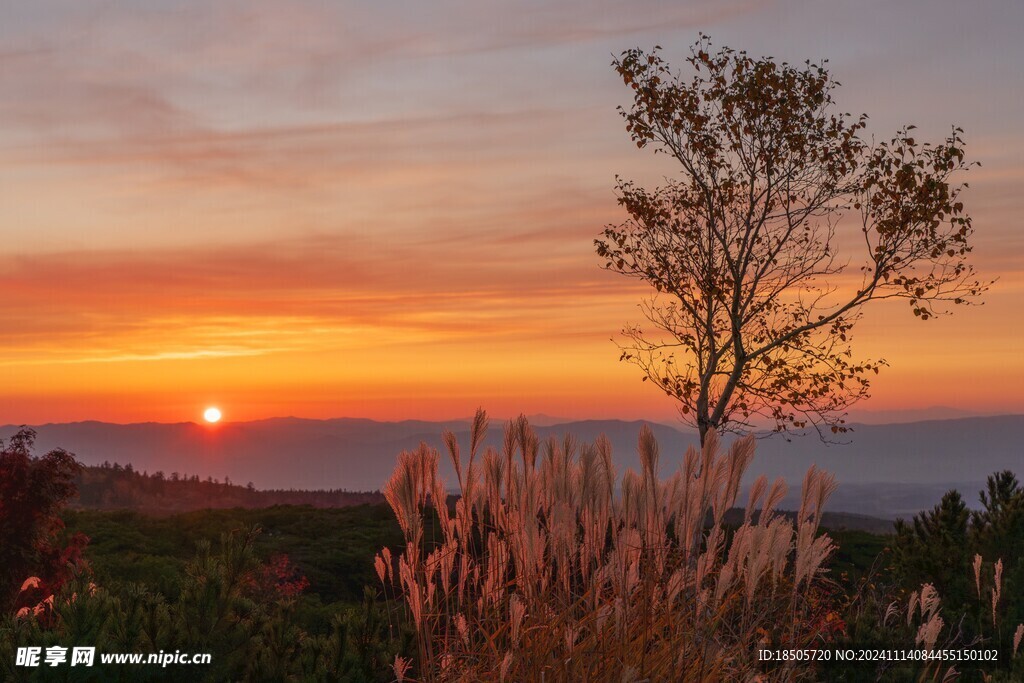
[{"x": 387, "y": 210}]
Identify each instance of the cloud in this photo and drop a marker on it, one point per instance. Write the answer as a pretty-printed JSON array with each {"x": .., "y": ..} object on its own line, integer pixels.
[
  {"x": 268, "y": 298},
  {"x": 43, "y": 91},
  {"x": 477, "y": 27},
  {"x": 302, "y": 155},
  {"x": 204, "y": 89}
]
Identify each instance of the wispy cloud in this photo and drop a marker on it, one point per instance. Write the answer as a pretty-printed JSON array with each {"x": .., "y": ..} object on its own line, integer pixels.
[
  {"x": 301, "y": 294},
  {"x": 63, "y": 359}
]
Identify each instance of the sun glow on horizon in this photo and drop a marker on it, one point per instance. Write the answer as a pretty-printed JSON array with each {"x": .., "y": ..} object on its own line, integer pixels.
[{"x": 212, "y": 414}]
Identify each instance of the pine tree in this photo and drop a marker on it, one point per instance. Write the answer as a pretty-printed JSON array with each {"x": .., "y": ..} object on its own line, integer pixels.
[{"x": 934, "y": 548}]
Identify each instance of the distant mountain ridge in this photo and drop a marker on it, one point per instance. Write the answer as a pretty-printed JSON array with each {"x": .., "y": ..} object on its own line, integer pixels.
[{"x": 888, "y": 470}]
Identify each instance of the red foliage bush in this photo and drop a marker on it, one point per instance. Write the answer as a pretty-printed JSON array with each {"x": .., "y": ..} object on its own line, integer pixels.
[
  {"x": 279, "y": 578},
  {"x": 32, "y": 492}
]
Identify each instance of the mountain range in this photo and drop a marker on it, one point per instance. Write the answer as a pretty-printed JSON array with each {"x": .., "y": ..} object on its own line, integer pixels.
[{"x": 885, "y": 470}]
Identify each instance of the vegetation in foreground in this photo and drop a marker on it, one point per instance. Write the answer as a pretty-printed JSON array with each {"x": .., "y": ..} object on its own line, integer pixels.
[
  {"x": 544, "y": 571},
  {"x": 303, "y": 600}
]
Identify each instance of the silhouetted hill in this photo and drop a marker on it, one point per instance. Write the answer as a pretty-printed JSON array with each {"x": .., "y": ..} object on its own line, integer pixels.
[
  {"x": 113, "y": 487},
  {"x": 887, "y": 470}
]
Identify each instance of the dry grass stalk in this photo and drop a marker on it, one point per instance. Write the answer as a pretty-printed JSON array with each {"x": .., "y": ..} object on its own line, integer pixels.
[
  {"x": 926, "y": 604},
  {"x": 997, "y": 588},
  {"x": 544, "y": 572}
]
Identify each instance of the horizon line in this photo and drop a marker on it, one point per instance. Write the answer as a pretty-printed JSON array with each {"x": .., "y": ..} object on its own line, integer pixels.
[{"x": 555, "y": 421}]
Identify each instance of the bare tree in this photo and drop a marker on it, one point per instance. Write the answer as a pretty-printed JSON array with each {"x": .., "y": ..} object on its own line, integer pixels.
[{"x": 754, "y": 300}]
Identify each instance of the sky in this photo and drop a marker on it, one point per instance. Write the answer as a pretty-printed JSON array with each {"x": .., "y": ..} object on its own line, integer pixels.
[{"x": 388, "y": 209}]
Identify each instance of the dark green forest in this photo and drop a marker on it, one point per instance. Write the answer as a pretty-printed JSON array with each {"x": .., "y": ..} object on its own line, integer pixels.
[{"x": 113, "y": 487}]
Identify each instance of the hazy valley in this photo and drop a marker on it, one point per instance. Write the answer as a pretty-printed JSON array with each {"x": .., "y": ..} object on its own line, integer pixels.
[{"x": 886, "y": 470}]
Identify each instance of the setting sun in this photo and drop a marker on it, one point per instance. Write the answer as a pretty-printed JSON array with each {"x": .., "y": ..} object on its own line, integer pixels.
[{"x": 212, "y": 414}]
